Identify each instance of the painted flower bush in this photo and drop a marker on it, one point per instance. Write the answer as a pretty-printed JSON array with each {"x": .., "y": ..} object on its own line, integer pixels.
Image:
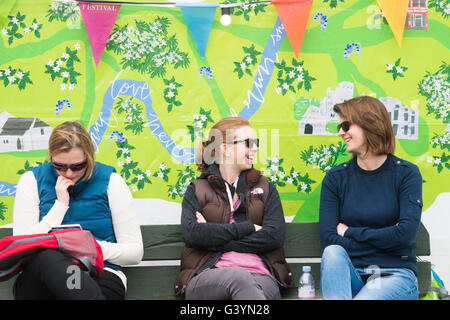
[
  {"x": 63, "y": 11},
  {"x": 396, "y": 69},
  {"x": 249, "y": 60},
  {"x": 292, "y": 77},
  {"x": 147, "y": 47},
  {"x": 17, "y": 29},
  {"x": 63, "y": 67},
  {"x": 15, "y": 76}
]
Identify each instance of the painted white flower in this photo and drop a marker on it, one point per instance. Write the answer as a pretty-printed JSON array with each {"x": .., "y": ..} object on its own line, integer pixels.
[
  {"x": 243, "y": 66},
  {"x": 437, "y": 161},
  {"x": 429, "y": 159},
  {"x": 71, "y": 86},
  {"x": 59, "y": 62},
  {"x": 304, "y": 186},
  {"x": 172, "y": 85},
  {"x": 199, "y": 124},
  {"x": 275, "y": 159},
  {"x": 249, "y": 60},
  {"x": 245, "y": 7},
  {"x": 273, "y": 178},
  {"x": 196, "y": 116},
  {"x": 300, "y": 77},
  {"x": 134, "y": 188},
  {"x": 162, "y": 166},
  {"x": 128, "y": 160},
  {"x": 160, "y": 174},
  {"x": 390, "y": 67},
  {"x": 294, "y": 174},
  {"x": 125, "y": 150},
  {"x": 399, "y": 70},
  {"x": 281, "y": 174},
  {"x": 120, "y": 164},
  {"x": 7, "y": 72},
  {"x": 5, "y": 31},
  {"x": 289, "y": 180},
  {"x": 274, "y": 167},
  {"x": 77, "y": 46},
  {"x": 56, "y": 69},
  {"x": 278, "y": 90},
  {"x": 14, "y": 20},
  {"x": 19, "y": 75},
  {"x": 27, "y": 30},
  {"x": 140, "y": 177},
  {"x": 63, "y": 86},
  {"x": 299, "y": 68},
  {"x": 291, "y": 74},
  {"x": 65, "y": 74},
  {"x": 203, "y": 117},
  {"x": 148, "y": 173},
  {"x": 34, "y": 26},
  {"x": 65, "y": 55},
  {"x": 12, "y": 79},
  {"x": 285, "y": 86},
  {"x": 50, "y": 62},
  {"x": 170, "y": 94}
]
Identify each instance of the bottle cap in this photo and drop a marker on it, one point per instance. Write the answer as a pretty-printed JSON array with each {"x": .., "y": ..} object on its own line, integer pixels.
[{"x": 306, "y": 268}]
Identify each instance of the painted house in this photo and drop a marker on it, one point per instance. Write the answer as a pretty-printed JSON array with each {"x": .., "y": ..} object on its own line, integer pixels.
[
  {"x": 23, "y": 134},
  {"x": 315, "y": 119},
  {"x": 404, "y": 120},
  {"x": 417, "y": 16}
]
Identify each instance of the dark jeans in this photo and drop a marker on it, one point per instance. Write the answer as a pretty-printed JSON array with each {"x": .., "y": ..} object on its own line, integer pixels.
[{"x": 51, "y": 274}]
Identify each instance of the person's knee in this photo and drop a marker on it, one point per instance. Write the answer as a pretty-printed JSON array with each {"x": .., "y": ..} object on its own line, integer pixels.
[{"x": 333, "y": 253}]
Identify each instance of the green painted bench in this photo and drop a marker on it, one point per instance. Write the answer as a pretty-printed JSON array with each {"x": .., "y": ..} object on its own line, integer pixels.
[{"x": 154, "y": 277}]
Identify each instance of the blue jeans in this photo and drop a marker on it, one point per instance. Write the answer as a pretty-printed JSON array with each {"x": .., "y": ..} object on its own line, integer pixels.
[{"x": 340, "y": 280}]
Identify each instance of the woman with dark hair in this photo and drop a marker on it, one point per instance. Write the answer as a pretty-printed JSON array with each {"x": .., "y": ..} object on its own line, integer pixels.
[
  {"x": 74, "y": 189},
  {"x": 232, "y": 222},
  {"x": 370, "y": 210}
]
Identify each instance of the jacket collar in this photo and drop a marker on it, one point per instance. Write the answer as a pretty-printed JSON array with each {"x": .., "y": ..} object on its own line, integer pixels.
[{"x": 247, "y": 178}]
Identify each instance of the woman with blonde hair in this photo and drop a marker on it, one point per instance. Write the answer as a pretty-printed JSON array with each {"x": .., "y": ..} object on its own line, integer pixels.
[
  {"x": 370, "y": 210},
  {"x": 232, "y": 222},
  {"x": 75, "y": 189}
]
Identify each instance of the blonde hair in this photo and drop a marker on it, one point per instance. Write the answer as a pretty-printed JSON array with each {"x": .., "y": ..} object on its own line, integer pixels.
[
  {"x": 218, "y": 134},
  {"x": 371, "y": 115},
  {"x": 68, "y": 135}
]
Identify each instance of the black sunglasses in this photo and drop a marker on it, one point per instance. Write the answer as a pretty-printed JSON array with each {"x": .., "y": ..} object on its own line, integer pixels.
[
  {"x": 248, "y": 142},
  {"x": 74, "y": 167},
  {"x": 345, "y": 125}
]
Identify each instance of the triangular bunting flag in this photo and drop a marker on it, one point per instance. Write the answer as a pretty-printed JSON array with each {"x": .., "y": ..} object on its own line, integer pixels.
[
  {"x": 395, "y": 13},
  {"x": 294, "y": 15},
  {"x": 199, "y": 18},
  {"x": 98, "y": 18}
]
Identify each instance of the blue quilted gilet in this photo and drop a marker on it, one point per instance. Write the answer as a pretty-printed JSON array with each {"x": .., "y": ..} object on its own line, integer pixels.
[{"x": 88, "y": 206}]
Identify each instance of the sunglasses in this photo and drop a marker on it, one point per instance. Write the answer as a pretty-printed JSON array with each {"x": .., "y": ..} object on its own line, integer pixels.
[
  {"x": 74, "y": 167},
  {"x": 344, "y": 125},
  {"x": 248, "y": 142}
]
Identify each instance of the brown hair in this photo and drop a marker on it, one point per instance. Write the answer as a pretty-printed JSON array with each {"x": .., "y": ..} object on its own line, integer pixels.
[
  {"x": 68, "y": 135},
  {"x": 219, "y": 133},
  {"x": 371, "y": 115}
]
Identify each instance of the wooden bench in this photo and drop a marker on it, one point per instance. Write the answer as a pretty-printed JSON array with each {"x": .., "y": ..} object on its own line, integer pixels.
[{"x": 154, "y": 277}]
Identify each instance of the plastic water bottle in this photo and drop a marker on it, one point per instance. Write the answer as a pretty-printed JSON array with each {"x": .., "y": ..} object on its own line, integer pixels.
[{"x": 306, "y": 287}]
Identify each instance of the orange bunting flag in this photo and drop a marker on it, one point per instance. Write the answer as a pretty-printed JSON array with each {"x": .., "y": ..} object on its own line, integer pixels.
[
  {"x": 294, "y": 15},
  {"x": 395, "y": 13}
]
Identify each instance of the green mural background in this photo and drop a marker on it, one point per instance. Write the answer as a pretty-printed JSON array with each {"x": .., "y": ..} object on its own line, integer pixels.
[{"x": 152, "y": 98}]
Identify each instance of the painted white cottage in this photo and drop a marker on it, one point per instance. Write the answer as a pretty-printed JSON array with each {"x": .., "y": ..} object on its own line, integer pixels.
[
  {"x": 23, "y": 134},
  {"x": 316, "y": 117}
]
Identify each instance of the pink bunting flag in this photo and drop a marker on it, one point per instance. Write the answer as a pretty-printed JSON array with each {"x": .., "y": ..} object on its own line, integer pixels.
[{"x": 99, "y": 19}]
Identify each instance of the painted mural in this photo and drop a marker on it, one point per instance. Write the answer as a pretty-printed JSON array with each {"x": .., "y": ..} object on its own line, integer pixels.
[{"x": 152, "y": 97}]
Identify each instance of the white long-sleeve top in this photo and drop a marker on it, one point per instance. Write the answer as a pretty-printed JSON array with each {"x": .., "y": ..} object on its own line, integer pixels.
[{"x": 127, "y": 250}]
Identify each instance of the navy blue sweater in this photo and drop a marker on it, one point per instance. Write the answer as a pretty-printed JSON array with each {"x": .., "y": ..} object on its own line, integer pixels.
[{"x": 382, "y": 208}]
